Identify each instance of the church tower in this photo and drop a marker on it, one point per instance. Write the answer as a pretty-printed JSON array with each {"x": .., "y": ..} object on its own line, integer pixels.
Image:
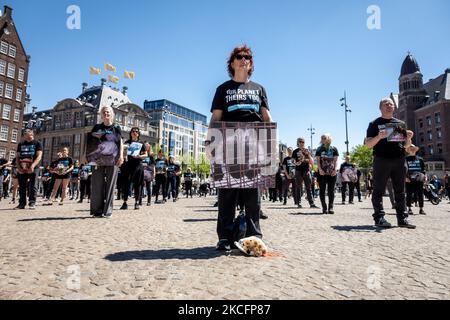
[{"x": 412, "y": 94}]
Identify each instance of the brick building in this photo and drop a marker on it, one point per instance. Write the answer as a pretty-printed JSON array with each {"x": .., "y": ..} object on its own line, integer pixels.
[
  {"x": 14, "y": 64},
  {"x": 425, "y": 107}
]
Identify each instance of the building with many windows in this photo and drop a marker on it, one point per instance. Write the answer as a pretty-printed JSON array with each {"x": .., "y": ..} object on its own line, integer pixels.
[
  {"x": 14, "y": 64},
  {"x": 425, "y": 107},
  {"x": 69, "y": 122},
  {"x": 182, "y": 131}
]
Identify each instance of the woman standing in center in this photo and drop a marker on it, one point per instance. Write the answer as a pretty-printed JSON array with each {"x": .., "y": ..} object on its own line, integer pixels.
[{"x": 239, "y": 100}]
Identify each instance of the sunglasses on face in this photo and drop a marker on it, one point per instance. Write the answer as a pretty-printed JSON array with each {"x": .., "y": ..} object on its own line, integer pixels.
[
  {"x": 134, "y": 131},
  {"x": 242, "y": 56}
]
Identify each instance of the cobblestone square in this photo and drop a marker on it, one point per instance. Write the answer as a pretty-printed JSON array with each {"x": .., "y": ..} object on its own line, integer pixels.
[{"x": 167, "y": 252}]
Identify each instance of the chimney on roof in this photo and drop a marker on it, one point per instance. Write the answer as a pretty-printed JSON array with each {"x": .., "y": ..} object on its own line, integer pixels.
[
  {"x": 103, "y": 81},
  {"x": 84, "y": 86},
  {"x": 124, "y": 90},
  {"x": 7, "y": 11}
]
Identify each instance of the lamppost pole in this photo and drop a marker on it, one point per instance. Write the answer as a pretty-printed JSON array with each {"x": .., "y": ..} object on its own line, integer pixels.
[
  {"x": 164, "y": 128},
  {"x": 347, "y": 110},
  {"x": 312, "y": 132}
]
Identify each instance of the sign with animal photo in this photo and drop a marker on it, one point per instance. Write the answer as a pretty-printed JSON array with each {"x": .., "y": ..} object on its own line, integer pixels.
[
  {"x": 100, "y": 150},
  {"x": 243, "y": 154},
  {"x": 395, "y": 132},
  {"x": 349, "y": 174}
]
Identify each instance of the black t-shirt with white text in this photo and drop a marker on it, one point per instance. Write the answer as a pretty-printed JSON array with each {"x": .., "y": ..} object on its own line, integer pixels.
[
  {"x": 132, "y": 146},
  {"x": 240, "y": 102},
  {"x": 172, "y": 169},
  {"x": 384, "y": 148}
]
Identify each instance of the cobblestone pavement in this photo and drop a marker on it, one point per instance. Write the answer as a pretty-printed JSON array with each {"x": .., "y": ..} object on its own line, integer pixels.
[{"x": 167, "y": 252}]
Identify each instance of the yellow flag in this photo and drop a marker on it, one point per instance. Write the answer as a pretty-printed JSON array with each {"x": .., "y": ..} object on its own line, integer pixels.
[
  {"x": 129, "y": 75},
  {"x": 110, "y": 67},
  {"x": 113, "y": 79},
  {"x": 93, "y": 70}
]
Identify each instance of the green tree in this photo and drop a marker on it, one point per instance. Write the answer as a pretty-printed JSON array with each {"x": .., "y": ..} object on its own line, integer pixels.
[{"x": 362, "y": 156}]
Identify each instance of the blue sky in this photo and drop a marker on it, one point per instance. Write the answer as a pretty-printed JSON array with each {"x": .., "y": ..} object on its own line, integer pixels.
[{"x": 306, "y": 53}]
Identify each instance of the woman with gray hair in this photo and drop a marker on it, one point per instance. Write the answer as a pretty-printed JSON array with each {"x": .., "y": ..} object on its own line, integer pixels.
[{"x": 108, "y": 158}]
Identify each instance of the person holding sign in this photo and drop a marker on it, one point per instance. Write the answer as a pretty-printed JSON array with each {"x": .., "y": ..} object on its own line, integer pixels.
[
  {"x": 239, "y": 100},
  {"x": 389, "y": 139},
  {"x": 327, "y": 157},
  {"x": 29, "y": 154},
  {"x": 132, "y": 171},
  {"x": 106, "y": 161}
]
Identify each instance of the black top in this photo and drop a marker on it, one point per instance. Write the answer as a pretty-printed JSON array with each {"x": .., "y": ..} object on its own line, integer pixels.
[
  {"x": 415, "y": 164},
  {"x": 289, "y": 165},
  {"x": 240, "y": 102},
  {"x": 161, "y": 165},
  {"x": 384, "y": 148},
  {"x": 172, "y": 169},
  {"x": 187, "y": 176},
  {"x": 85, "y": 171},
  {"x": 133, "y": 147},
  {"x": 28, "y": 150},
  {"x": 302, "y": 155},
  {"x": 327, "y": 158},
  {"x": 75, "y": 173}
]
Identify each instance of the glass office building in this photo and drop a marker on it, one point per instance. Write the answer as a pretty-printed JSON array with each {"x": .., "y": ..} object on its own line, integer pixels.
[{"x": 182, "y": 131}]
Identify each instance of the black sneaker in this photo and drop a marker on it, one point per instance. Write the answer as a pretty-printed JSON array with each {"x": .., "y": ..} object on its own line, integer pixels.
[
  {"x": 382, "y": 223},
  {"x": 284, "y": 203},
  {"x": 324, "y": 211},
  {"x": 403, "y": 223},
  {"x": 263, "y": 216},
  {"x": 351, "y": 202},
  {"x": 313, "y": 206},
  {"x": 299, "y": 206},
  {"x": 331, "y": 211},
  {"x": 223, "y": 245},
  {"x": 136, "y": 206},
  {"x": 410, "y": 212},
  {"x": 422, "y": 212},
  {"x": 32, "y": 206},
  {"x": 19, "y": 207},
  {"x": 124, "y": 206}
]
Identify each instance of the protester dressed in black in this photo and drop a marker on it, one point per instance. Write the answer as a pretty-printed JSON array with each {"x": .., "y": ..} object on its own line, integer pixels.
[
  {"x": 415, "y": 178},
  {"x": 327, "y": 157},
  {"x": 29, "y": 155},
  {"x": 388, "y": 137},
  {"x": 349, "y": 176},
  {"x": 132, "y": 170},
  {"x": 303, "y": 162},
  {"x": 239, "y": 100},
  {"x": 161, "y": 164},
  {"x": 289, "y": 173}
]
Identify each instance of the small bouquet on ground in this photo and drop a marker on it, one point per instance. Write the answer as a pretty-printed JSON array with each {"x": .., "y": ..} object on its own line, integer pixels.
[{"x": 252, "y": 246}]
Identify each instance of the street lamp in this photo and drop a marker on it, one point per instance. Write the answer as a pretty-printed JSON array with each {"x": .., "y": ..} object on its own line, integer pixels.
[
  {"x": 312, "y": 132},
  {"x": 347, "y": 109},
  {"x": 164, "y": 108}
]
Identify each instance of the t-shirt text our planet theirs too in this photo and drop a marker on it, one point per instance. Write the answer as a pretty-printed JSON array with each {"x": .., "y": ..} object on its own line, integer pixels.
[{"x": 242, "y": 95}]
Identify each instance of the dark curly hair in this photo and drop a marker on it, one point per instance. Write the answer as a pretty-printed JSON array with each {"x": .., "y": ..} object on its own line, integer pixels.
[{"x": 242, "y": 49}]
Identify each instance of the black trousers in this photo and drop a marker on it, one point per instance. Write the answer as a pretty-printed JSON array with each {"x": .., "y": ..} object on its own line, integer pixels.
[
  {"x": 358, "y": 190},
  {"x": 286, "y": 184},
  {"x": 160, "y": 182},
  {"x": 228, "y": 198},
  {"x": 47, "y": 188},
  {"x": 351, "y": 188},
  {"x": 85, "y": 188},
  {"x": 300, "y": 178},
  {"x": 5, "y": 189},
  {"x": 172, "y": 186},
  {"x": 327, "y": 182},
  {"x": 383, "y": 169},
  {"x": 414, "y": 188},
  {"x": 188, "y": 187},
  {"x": 27, "y": 181},
  {"x": 132, "y": 174}
]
